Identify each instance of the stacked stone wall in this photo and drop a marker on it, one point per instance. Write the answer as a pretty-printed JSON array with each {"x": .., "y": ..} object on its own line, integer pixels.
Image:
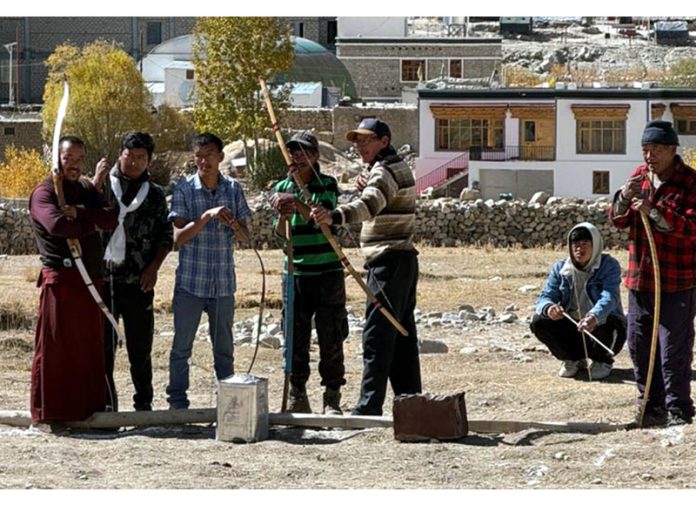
[{"x": 444, "y": 222}]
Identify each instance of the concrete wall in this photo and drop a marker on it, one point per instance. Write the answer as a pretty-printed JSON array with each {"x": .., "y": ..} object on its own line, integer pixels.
[
  {"x": 372, "y": 26},
  {"x": 39, "y": 36},
  {"x": 27, "y": 133},
  {"x": 375, "y": 65}
]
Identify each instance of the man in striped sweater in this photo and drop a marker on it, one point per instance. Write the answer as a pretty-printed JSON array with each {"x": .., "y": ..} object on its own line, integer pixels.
[
  {"x": 319, "y": 285},
  {"x": 387, "y": 209}
]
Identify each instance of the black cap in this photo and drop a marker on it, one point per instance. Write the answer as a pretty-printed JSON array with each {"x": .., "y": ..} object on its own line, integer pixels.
[
  {"x": 370, "y": 126},
  {"x": 304, "y": 140},
  {"x": 659, "y": 132}
]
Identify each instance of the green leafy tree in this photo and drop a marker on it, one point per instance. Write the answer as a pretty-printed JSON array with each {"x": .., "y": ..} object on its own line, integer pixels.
[
  {"x": 682, "y": 74},
  {"x": 107, "y": 97},
  {"x": 230, "y": 54}
]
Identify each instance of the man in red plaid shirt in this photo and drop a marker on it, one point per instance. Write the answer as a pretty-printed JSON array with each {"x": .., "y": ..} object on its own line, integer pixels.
[{"x": 664, "y": 189}]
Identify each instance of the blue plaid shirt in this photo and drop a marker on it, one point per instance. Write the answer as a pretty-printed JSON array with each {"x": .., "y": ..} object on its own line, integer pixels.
[{"x": 206, "y": 262}]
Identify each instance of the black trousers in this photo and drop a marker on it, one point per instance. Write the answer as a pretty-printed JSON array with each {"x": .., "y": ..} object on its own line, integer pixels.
[
  {"x": 324, "y": 298},
  {"x": 565, "y": 342},
  {"x": 388, "y": 355},
  {"x": 135, "y": 307},
  {"x": 671, "y": 381}
]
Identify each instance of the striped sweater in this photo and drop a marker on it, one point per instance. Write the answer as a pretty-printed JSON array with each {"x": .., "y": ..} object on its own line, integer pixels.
[
  {"x": 312, "y": 253},
  {"x": 387, "y": 207}
]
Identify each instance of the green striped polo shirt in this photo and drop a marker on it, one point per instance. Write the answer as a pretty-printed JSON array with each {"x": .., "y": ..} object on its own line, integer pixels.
[{"x": 313, "y": 255}]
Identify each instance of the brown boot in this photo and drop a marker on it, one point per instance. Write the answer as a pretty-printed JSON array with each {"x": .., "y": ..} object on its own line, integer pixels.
[
  {"x": 332, "y": 402},
  {"x": 298, "y": 403}
]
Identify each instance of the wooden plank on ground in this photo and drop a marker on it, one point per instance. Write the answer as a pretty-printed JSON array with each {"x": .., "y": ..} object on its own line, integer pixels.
[{"x": 108, "y": 420}]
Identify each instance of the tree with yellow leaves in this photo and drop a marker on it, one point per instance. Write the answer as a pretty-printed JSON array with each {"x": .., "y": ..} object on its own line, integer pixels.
[
  {"x": 230, "y": 55},
  {"x": 108, "y": 97},
  {"x": 21, "y": 171}
]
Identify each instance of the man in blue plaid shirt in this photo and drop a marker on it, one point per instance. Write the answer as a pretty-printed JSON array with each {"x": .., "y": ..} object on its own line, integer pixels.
[{"x": 206, "y": 209}]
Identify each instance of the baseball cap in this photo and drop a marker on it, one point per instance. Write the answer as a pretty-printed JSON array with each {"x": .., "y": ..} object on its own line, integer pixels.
[
  {"x": 304, "y": 140},
  {"x": 370, "y": 126}
]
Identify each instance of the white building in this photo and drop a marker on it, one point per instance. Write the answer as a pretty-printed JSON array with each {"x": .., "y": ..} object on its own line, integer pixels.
[{"x": 568, "y": 142}]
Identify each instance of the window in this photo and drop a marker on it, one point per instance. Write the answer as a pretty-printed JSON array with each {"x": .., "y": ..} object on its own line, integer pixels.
[
  {"x": 462, "y": 134},
  {"x": 455, "y": 69},
  {"x": 412, "y": 70},
  {"x": 297, "y": 28},
  {"x": 601, "y": 137},
  {"x": 686, "y": 126},
  {"x": 9, "y": 130},
  {"x": 331, "y": 31},
  {"x": 154, "y": 33},
  {"x": 189, "y": 74},
  {"x": 600, "y": 182},
  {"x": 530, "y": 131}
]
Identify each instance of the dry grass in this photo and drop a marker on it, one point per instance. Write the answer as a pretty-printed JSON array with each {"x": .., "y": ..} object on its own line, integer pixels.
[{"x": 507, "y": 376}]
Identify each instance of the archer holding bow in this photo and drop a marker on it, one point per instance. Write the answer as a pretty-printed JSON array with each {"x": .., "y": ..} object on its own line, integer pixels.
[
  {"x": 67, "y": 378},
  {"x": 661, "y": 193}
]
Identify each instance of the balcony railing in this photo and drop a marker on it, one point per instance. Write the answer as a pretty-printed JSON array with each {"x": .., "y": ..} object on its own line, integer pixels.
[
  {"x": 513, "y": 153},
  {"x": 446, "y": 171}
]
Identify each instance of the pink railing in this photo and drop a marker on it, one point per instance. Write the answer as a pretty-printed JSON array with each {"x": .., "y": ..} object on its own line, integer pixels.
[{"x": 443, "y": 172}]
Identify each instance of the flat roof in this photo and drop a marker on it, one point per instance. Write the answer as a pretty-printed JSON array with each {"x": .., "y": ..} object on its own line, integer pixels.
[{"x": 552, "y": 93}]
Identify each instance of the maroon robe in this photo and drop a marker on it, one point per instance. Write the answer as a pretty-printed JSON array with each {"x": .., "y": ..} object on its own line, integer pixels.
[{"x": 68, "y": 378}]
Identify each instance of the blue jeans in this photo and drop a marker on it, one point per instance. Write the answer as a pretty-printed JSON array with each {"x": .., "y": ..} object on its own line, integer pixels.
[{"x": 187, "y": 310}]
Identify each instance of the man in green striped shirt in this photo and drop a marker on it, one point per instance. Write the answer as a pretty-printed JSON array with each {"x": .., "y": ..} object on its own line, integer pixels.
[{"x": 319, "y": 286}]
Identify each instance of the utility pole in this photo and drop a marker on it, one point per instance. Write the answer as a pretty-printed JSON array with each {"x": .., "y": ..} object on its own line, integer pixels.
[{"x": 10, "y": 100}]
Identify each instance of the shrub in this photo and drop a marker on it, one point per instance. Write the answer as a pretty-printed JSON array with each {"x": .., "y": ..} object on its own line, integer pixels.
[
  {"x": 265, "y": 166},
  {"x": 21, "y": 171},
  {"x": 173, "y": 131}
]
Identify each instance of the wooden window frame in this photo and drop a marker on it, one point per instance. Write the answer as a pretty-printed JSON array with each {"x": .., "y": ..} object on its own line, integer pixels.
[
  {"x": 461, "y": 69},
  {"x": 602, "y": 136},
  {"x": 465, "y": 133},
  {"x": 409, "y": 69},
  {"x": 600, "y": 182}
]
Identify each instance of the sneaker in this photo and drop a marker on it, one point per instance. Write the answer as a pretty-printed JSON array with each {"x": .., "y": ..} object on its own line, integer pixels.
[
  {"x": 676, "y": 417},
  {"x": 298, "y": 403},
  {"x": 599, "y": 370},
  {"x": 570, "y": 368},
  {"x": 332, "y": 402}
]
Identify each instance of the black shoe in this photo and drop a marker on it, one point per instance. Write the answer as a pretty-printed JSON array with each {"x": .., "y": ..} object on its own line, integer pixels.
[
  {"x": 144, "y": 406},
  {"x": 677, "y": 417},
  {"x": 656, "y": 416}
]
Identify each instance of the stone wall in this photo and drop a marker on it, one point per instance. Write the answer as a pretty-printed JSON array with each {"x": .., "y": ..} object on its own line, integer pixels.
[
  {"x": 402, "y": 119},
  {"x": 332, "y": 124},
  {"x": 442, "y": 222}
]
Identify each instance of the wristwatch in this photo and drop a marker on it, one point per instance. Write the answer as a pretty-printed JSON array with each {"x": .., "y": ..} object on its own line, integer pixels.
[{"x": 654, "y": 214}]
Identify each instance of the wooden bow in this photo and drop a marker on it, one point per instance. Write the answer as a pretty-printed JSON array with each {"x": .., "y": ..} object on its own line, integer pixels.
[{"x": 73, "y": 243}]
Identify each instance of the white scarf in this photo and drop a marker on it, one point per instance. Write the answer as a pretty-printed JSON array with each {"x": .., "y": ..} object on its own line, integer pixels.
[{"x": 116, "y": 250}]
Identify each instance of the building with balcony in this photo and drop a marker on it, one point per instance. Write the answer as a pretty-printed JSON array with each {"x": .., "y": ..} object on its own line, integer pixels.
[{"x": 568, "y": 142}]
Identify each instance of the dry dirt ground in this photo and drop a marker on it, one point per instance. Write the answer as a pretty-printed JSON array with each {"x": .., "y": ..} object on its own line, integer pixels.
[{"x": 505, "y": 375}]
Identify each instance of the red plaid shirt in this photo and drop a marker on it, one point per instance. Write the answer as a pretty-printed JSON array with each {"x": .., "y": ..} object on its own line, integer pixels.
[{"x": 675, "y": 199}]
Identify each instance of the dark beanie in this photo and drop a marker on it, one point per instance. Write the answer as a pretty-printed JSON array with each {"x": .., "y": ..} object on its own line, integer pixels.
[
  {"x": 580, "y": 233},
  {"x": 659, "y": 132}
]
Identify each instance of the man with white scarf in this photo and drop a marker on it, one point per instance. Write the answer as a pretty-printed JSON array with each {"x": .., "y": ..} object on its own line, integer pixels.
[
  {"x": 586, "y": 287},
  {"x": 134, "y": 253}
]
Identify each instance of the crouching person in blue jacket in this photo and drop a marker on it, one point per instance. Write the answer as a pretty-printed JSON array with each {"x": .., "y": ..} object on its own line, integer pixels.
[{"x": 586, "y": 287}]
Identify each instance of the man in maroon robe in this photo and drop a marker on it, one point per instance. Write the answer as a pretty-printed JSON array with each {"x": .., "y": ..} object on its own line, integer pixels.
[{"x": 67, "y": 378}]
